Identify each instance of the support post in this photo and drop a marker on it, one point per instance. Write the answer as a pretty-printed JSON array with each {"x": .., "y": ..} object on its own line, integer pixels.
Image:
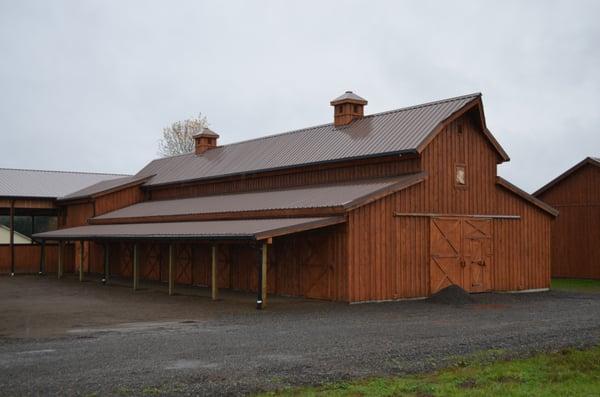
[
  {"x": 171, "y": 271},
  {"x": 81, "y": 260},
  {"x": 42, "y": 257},
  {"x": 59, "y": 271},
  {"x": 261, "y": 298},
  {"x": 135, "y": 268},
  {"x": 12, "y": 237},
  {"x": 105, "y": 275},
  {"x": 213, "y": 283},
  {"x": 263, "y": 286}
]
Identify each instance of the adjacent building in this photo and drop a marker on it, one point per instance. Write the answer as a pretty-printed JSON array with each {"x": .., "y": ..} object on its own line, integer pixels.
[{"x": 576, "y": 232}]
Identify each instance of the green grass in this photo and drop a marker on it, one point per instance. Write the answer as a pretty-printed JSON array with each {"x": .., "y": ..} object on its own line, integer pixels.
[
  {"x": 566, "y": 373},
  {"x": 575, "y": 285}
]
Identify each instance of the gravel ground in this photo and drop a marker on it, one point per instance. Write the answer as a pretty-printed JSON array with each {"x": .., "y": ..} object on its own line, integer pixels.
[{"x": 70, "y": 338}]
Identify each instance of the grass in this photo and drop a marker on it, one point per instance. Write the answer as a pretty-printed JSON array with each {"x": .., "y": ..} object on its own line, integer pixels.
[
  {"x": 566, "y": 373},
  {"x": 575, "y": 285}
]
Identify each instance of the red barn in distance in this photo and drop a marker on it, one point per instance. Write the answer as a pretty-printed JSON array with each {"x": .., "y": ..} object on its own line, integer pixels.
[{"x": 576, "y": 232}]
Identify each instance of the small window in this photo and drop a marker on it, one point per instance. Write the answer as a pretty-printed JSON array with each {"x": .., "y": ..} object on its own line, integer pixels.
[
  {"x": 460, "y": 175},
  {"x": 340, "y": 109},
  {"x": 356, "y": 109}
]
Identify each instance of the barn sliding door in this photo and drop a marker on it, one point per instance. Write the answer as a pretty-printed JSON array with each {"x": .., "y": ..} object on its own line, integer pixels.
[{"x": 460, "y": 254}]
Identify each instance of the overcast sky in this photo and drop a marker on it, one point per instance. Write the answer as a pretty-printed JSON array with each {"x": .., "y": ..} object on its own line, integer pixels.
[{"x": 88, "y": 85}]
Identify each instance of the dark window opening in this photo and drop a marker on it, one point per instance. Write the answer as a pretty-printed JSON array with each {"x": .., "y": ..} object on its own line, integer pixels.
[
  {"x": 25, "y": 226},
  {"x": 356, "y": 109}
]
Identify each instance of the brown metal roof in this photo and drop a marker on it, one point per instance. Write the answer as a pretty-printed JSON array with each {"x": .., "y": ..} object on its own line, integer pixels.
[
  {"x": 389, "y": 133},
  {"x": 208, "y": 133},
  {"x": 349, "y": 96},
  {"x": 45, "y": 184},
  {"x": 254, "y": 229},
  {"x": 588, "y": 160},
  {"x": 104, "y": 186},
  {"x": 320, "y": 196}
]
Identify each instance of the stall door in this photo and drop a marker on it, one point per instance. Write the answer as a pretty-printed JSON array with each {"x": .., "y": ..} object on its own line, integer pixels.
[
  {"x": 477, "y": 253},
  {"x": 460, "y": 254}
]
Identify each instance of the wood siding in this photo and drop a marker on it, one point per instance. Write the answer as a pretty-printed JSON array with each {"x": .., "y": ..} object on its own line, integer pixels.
[
  {"x": 27, "y": 258},
  {"x": 576, "y": 232},
  {"x": 118, "y": 199},
  {"x": 309, "y": 175},
  {"x": 310, "y": 264},
  {"x": 389, "y": 255}
]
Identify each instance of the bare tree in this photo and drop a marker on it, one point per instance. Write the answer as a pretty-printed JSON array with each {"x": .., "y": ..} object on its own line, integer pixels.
[{"x": 178, "y": 137}]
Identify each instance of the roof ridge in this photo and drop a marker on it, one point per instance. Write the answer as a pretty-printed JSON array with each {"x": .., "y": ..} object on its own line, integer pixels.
[
  {"x": 475, "y": 94},
  {"x": 61, "y": 172}
]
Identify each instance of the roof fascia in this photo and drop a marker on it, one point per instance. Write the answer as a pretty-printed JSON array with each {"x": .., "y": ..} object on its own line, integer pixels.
[{"x": 386, "y": 191}]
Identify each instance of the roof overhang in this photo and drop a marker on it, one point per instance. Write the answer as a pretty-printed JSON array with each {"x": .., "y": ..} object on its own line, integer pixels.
[
  {"x": 526, "y": 196},
  {"x": 248, "y": 229}
]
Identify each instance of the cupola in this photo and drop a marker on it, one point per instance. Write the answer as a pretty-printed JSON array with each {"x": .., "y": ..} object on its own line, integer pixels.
[
  {"x": 205, "y": 140},
  {"x": 347, "y": 108}
]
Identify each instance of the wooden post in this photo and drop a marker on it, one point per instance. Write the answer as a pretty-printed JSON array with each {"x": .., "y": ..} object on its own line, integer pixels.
[
  {"x": 135, "y": 268},
  {"x": 43, "y": 257},
  {"x": 213, "y": 283},
  {"x": 12, "y": 237},
  {"x": 263, "y": 286},
  {"x": 171, "y": 271},
  {"x": 59, "y": 271},
  {"x": 261, "y": 299},
  {"x": 81, "y": 261},
  {"x": 105, "y": 275}
]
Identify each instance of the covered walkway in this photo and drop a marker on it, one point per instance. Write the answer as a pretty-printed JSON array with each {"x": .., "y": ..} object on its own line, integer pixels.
[{"x": 254, "y": 235}]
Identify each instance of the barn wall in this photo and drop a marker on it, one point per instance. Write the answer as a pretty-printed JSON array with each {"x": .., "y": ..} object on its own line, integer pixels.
[
  {"x": 576, "y": 231},
  {"x": 389, "y": 256},
  {"x": 303, "y": 176},
  {"x": 27, "y": 258},
  {"x": 118, "y": 199},
  {"x": 310, "y": 264}
]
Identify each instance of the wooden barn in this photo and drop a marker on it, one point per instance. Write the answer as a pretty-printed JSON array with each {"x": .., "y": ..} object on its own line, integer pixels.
[
  {"x": 27, "y": 206},
  {"x": 576, "y": 232},
  {"x": 393, "y": 205}
]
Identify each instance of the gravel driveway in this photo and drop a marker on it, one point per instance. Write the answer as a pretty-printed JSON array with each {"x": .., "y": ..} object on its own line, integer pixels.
[{"x": 65, "y": 337}]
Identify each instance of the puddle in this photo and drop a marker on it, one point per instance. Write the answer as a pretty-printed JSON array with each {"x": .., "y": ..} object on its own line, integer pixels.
[
  {"x": 191, "y": 364},
  {"x": 34, "y": 352}
]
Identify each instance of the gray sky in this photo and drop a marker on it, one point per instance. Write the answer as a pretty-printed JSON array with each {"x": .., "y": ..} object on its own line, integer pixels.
[{"x": 88, "y": 85}]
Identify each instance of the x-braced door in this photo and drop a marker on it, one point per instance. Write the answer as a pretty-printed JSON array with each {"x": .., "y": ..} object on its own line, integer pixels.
[{"x": 460, "y": 253}]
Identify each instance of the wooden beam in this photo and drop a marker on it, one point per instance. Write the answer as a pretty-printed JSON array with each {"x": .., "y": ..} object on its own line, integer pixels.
[
  {"x": 105, "y": 274},
  {"x": 214, "y": 288},
  {"x": 263, "y": 286},
  {"x": 136, "y": 275},
  {"x": 59, "y": 271},
  {"x": 477, "y": 216},
  {"x": 171, "y": 271},
  {"x": 12, "y": 237},
  {"x": 42, "y": 257},
  {"x": 81, "y": 261}
]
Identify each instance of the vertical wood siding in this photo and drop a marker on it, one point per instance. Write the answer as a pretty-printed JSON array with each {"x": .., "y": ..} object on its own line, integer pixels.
[
  {"x": 310, "y": 264},
  {"x": 576, "y": 231},
  {"x": 389, "y": 256},
  {"x": 309, "y": 175},
  {"x": 119, "y": 199},
  {"x": 27, "y": 258}
]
